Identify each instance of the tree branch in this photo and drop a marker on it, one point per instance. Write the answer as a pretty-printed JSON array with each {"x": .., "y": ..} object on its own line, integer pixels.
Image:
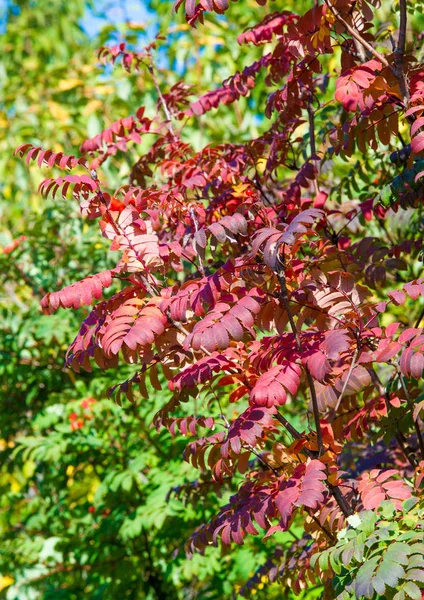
[
  {"x": 161, "y": 98},
  {"x": 312, "y": 141},
  {"x": 285, "y": 299},
  {"x": 340, "y": 398},
  {"x": 323, "y": 528},
  {"x": 333, "y": 489},
  {"x": 398, "y": 435},
  {"x": 292, "y": 430},
  {"x": 196, "y": 226},
  {"x": 399, "y": 66},
  {"x": 358, "y": 37},
  {"x": 340, "y": 499}
]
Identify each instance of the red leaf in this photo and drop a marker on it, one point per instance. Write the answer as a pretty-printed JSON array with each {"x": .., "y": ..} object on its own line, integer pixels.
[
  {"x": 387, "y": 350},
  {"x": 77, "y": 294},
  {"x": 318, "y": 365},
  {"x": 270, "y": 388},
  {"x": 417, "y": 365},
  {"x": 417, "y": 143}
]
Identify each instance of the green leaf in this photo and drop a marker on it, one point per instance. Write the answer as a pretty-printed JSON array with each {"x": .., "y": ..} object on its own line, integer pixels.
[
  {"x": 412, "y": 590},
  {"x": 400, "y": 551},
  {"x": 368, "y": 519},
  {"x": 379, "y": 584},
  {"x": 335, "y": 564},
  {"x": 410, "y": 503},
  {"x": 417, "y": 560},
  {"x": 131, "y": 527},
  {"x": 415, "y": 575},
  {"x": 363, "y": 585},
  {"x": 358, "y": 553},
  {"x": 390, "y": 571},
  {"x": 323, "y": 561},
  {"x": 347, "y": 553}
]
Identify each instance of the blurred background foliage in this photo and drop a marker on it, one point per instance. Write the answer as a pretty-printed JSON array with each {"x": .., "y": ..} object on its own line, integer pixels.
[{"x": 86, "y": 502}]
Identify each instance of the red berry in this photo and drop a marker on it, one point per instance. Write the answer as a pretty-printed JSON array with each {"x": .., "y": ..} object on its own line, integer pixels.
[
  {"x": 85, "y": 403},
  {"x": 77, "y": 424},
  {"x": 91, "y": 509}
]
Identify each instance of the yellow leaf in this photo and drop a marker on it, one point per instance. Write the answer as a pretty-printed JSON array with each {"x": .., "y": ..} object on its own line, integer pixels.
[
  {"x": 69, "y": 84},
  {"x": 29, "y": 468},
  {"x": 137, "y": 26},
  {"x": 91, "y": 107},
  {"x": 210, "y": 39},
  {"x": 58, "y": 112},
  {"x": 323, "y": 33},
  {"x": 239, "y": 189},
  {"x": 314, "y": 39},
  {"x": 330, "y": 18},
  {"x": 105, "y": 90},
  {"x": 87, "y": 69},
  {"x": 5, "y": 581},
  {"x": 15, "y": 486},
  {"x": 260, "y": 165}
]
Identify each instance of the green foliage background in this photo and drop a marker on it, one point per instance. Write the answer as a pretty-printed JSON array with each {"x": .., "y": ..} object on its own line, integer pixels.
[{"x": 87, "y": 512}]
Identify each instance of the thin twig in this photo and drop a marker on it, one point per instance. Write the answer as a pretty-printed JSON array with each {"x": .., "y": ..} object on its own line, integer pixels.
[
  {"x": 196, "y": 226},
  {"x": 349, "y": 373},
  {"x": 161, "y": 98},
  {"x": 419, "y": 319},
  {"x": 258, "y": 185},
  {"x": 360, "y": 50},
  {"x": 312, "y": 142},
  {"x": 333, "y": 489},
  {"x": 311, "y": 127},
  {"x": 261, "y": 459},
  {"x": 315, "y": 410},
  {"x": 323, "y": 528},
  {"x": 399, "y": 66},
  {"x": 358, "y": 37},
  {"x": 181, "y": 328},
  {"x": 398, "y": 435},
  {"x": 292, "y": 430},
  {"x": 285, "y": 299},
  {"x": 340, "y": 499}
]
